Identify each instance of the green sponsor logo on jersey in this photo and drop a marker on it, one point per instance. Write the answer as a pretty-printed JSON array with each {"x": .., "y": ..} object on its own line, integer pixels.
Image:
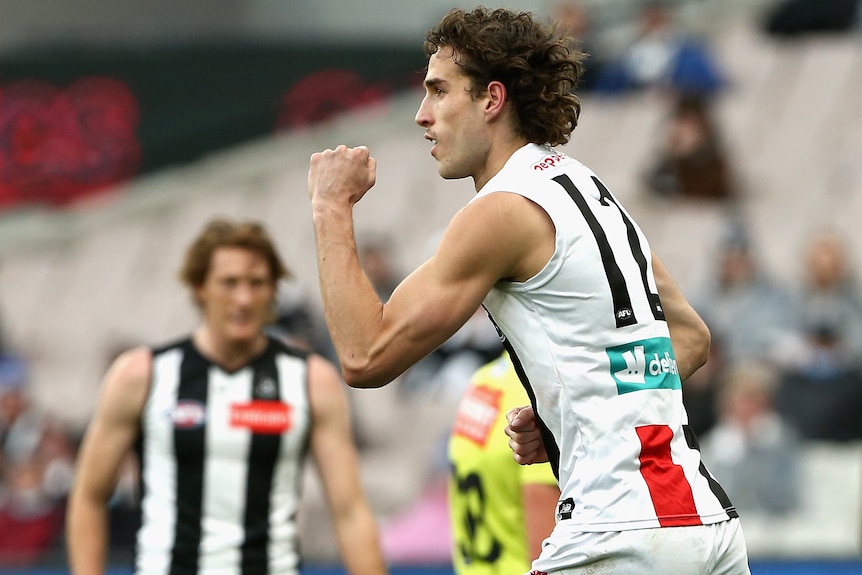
[{"x": 644, "y": 364}]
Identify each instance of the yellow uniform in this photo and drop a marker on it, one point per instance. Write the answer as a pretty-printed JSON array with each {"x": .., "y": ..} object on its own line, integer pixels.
[{"x": 485, "y": 503}]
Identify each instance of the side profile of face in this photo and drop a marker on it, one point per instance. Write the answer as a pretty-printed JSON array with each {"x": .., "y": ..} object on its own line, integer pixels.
[
  {"x": 453, "y": 120},
  {"x": 237, "y": 295}
]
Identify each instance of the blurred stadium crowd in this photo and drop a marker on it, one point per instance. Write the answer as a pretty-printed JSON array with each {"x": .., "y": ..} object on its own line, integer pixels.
[{"x": 732, "y": 134}]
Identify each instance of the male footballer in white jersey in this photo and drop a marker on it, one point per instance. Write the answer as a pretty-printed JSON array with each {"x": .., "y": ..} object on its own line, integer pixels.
[
  {"x": 600, "y": 334},
  {"x": 221, "y": 421}
]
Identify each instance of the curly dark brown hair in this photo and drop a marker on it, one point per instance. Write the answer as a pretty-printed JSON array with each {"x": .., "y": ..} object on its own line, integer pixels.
[
  {"x": 538, "y": 66},
  {"x": 221, "y": 232}
]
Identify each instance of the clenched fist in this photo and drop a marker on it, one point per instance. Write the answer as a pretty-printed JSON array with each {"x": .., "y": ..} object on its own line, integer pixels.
[
  {"x": 342, "y": 175},
  {"x": 525, "y": 438}
]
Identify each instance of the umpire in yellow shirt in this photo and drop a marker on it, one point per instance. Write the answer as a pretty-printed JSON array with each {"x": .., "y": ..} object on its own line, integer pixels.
[{"x": 500, "y": 511}]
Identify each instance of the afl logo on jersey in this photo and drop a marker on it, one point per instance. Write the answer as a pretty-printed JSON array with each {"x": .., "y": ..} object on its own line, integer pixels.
[
  {"x": 625, "y": 313},
  {"x": 188, "y": 414}
]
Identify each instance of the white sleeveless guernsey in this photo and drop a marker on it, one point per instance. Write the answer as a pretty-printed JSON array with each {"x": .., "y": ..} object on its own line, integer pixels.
[{"x": 592, "y": 348}]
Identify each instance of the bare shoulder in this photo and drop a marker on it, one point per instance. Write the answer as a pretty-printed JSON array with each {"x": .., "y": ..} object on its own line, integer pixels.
[
  {"x": 125, "y": 386},
  {"x": 134, "y": 363},
  {"x": 488, "y": 226},
  {"x": 324, "y": 379},
  {"x": 131, "y": 368},
  {"x": 502, "y": 206},
  {"x": 519, "y": 231}
]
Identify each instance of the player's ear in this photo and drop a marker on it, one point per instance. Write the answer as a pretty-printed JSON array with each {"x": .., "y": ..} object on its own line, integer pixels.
[{"x": 497, "y": 95}]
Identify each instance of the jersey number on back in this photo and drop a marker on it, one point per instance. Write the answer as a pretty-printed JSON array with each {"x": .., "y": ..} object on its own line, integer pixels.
[{"x": 624, "y": 314}]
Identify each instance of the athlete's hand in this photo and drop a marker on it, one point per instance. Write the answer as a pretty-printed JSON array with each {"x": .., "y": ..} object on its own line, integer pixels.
[
  {"x": 342, "y": 175},
  {"x": 525, "y": 439}
]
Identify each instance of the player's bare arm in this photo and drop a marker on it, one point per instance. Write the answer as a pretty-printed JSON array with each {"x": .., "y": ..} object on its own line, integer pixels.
[
  {"x": 492, "y": 238},
  {"x": 540, "y": 503},
  {"x": 108, "y": 439},
  {"x": 688, "y": 332},
  {"x": 334, "y": 454}
]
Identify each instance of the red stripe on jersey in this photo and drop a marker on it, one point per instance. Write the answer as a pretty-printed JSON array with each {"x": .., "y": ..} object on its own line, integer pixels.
[{"x": 668, "y": 488}]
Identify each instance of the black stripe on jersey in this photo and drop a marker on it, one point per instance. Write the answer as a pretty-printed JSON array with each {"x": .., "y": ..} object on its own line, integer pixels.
[
  {"x": 141, "y": 486},
  {"x": 624, "y": 314},
  {"x": 714, "y": 486},
  {"x": 190, "y": 454},
  {"x": 306, "y": 443},
  {"x": 637, "y": 250},
  {"x": 548, "y": 440},
  {"x": 262, "y": 459},
  {"x": 550, "y": 443}
]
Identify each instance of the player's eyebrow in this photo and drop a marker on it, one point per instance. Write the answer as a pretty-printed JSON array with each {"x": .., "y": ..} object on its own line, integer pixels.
[{"x": 435, "y": 82}]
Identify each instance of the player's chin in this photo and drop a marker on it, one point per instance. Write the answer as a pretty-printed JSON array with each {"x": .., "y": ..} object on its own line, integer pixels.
[
  {"x": 448, "y": 174},
  {"x": 245, "y": 332},
  {"x": 449, "y": 171}
]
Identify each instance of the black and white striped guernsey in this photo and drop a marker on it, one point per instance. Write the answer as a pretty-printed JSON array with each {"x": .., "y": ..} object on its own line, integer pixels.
[{"x": 221, "y": 463}]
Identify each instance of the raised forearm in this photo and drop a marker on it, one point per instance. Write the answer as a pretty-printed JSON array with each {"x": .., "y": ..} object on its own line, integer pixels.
[{"x": 351, "y": 306}]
